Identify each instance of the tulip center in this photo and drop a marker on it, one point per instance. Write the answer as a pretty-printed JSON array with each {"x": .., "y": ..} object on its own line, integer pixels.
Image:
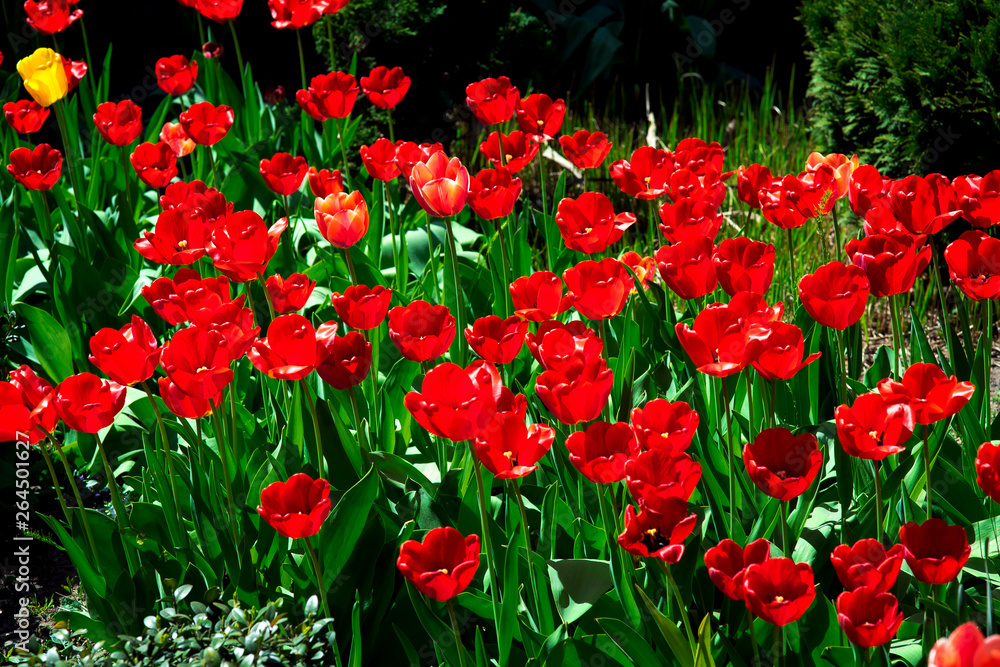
[
  {"x": 540, "y": 122},
  {"x": 587, "y": 230},
  {"x": 182, "y": 244},
  {"x": 511, "y": 458},
  {"x": 508, "y": 157},
  {"x": 874, "y": 435},
  {"x": 653, "y": 540},
  {"x": 779, "y": 598},
  {"x": 646, "y": 180},
  {"x": 203, "y": 369},
  {"x": 781, "y": 474},
  {"x": 443, "y": 570}
]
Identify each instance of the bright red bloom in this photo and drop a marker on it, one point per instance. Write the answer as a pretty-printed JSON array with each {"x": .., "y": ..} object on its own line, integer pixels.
[
  {"x": 727, "y": 563},
  {"x": 408, "y": 154},
  {"x": 344, "y": 361},
  {"x": 75, "y": 71},
  {"x": 539, "y": 297},
  {"x": 687, "y": 267},
  {"x": 509, "y": 448},
  {"x": 782, "y": 465},
  {"x": 329, "y": 96},
  {"x": 779, "y": 349},
  {"x": 284, "y": 173},
  {"x": 779, "y": 590},
  {"x": 385, "y": 87},
  {"x": 539, "y": 117},
  {"x": 600, "y": 452},
  {"x": 362, "y": 307},
  {"x": 212, "y": 50},
  {"x": 935, "y": 551},
  {"x": 128, "y": 355},
  {"x": 965, "y": 647},
  {"x": 197, "y": 361},
  {"x": 186, "y": 406},
  {"x": 744, "y": 265},
  {"x": 492, "y": 193},
  {"x": 206, "y": 123},
  {"x": 495, "y": 339},
  {"x": 197, "y": 199},
  {"x": 298, "y": 507},
  {"x": 924, "y": 205},
  {"x": 296, "y": 14},
  {"x": 868, "y": 617},
  {"x": 988, "y": 470},
  {"x": 342, "y": 218},
  {"x": 324, "y": 182},
  {"x": 160, "y": 292},
  {"x": 931, "y": 394},
  {"x": 243, "y": 245},
  {"x": 579, "y": 394},
  {"x": 51, "y": 16},
  {"x": 867, "y": 190},
  {"x": 119, "y": 124},
  {"x": 584, "y": 149},
  {"x": 891, "y": 261},
  {"x": 421, "y": 331},
  {"x": 974, "y": 264},
  {"x": 492, "y": 100},
  {"x": 700, "y": 157},
  {"x": 15, "y": 417},
  {"x": 36, "y": 395},
  {"x": 645, "y": 175},
  {"x": 86, "y": 403},
  {"x": 589, "y": 224},
  {"x": 656, "y": 474},
  {"x": 687, "y": 184},
  {"x": 289, "y": 351},
  {"x": 380, "y": 160},
  {"x": 717, "y": 344},
  {"x": 867, "y": 564},
  {"x": 176, "y": 75},
  {"x": 25, "y": 116},
  {"x": 644, "y": 268},
  {"x": 599, "y": 289},
  {"x": 786, "y": 203},
  {"x": 219, "y": 11},
  {"x": 291, "y": 293},
  {"x": 37, "y": 169},
  {"x": 440, "y": 185},
  {"x": 749, "y": 182},
  {"x": 180, "y": 143},
  {"x": 820, "y": 187},
  {"x": 873, "y": 429},
  {"x": 979, "y": 198},
  {"x": 835, "y": 296},
  {"x": 232, "y": 321},
  {"x": 454, "y": 402},
  {"x": 658, "y": 534},
  {"x": 663, "y": 425},
  {"x": 518, "y": 150},
  {"x": 155, "y": 164},
  {"x": 689, "y": 219},
  {"x": 443, "y": 566},
  {"x": 565, "y": 348},
  {"x": 179, "y": 237}
]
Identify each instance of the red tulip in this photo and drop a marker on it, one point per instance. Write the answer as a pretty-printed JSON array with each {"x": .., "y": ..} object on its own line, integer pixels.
[
  {"x": 835, "y": 296},
  {"x": 935, "y": 551},
  {"x": 176, "y": 75},
  {"x": 75, "y": 71},
  {"x": 385, "y": 87},
  {"x": 362, "y": 307},
  {"x": 658, "y": 534},
  {"x": 155, "y": 164},
  {"x": 645, "y": 176},
  {"x": 289, "y": 351},
  {"x": 25, "y": 116},
  {"x": 539, "y": 297},
  {"x": 179, "y": 237},
  {"x": 931, "y": 394},
  {"x": 86, "y": 403},
  {"x": 128, "y": 355},
  {"x": 421, "y": 331},
  {"x": 644, "y": 268},
  {"x": 510, "y": 449},
  {"x": 749, "y": 182},
  {"x": 820, "y": 187},
  {"x": 687, "y": 268},
  {"x": 492, "y": 193},
  {"x": 584, "y": 149},
  {"x": 717, "y": 344},
  {"x": 283, "y": 173},
  {"x": 782, "y": 465},
  {"x": 779, "y": 590},
  {"x": 219, "y": 11},
  {"x": 440, "y": 185},
  {"x": 727, "y": 563},
  {"x": 158, "y": 294},
  {"x": 578, "y": 395},
  {"x": 867, "y": 565},
  {"x": 974, "y": 265},
  {"x": 443, "y": 566},
  {"x": 186, "y": 406},
  {"x": 663, "y": 425},
  {"x": 589, "y": 224},
  {"x": 785, "y": 203},
  {"x": 868, "y": 617},
  {"x": 295, "y": 14},
  {"x": 600, "y": 452},
  {"x": 873, "y": 429},
  {"x": 15, "y": 417},
  {"x": 518, "y": 150},
  {"x": 891, "y": 261},
  {"x": 565, "y": 348},
  {"x": 700, "y": 157},
  {"x": 656, "y": 474},
  {"x": 380, "y": 160},
  {"x": 289, "y": 294},
  {"x": 492, "y": 100},
  {"x": 243, "y": 245},
  {"x": 965, "y": 647},
  {"x": 196, "y": 198},
  {"x": 296, "y": 508},
  {"x": 197, "y": 361},
  {"x": 206, "y": 123},
  {"x": 232, "y": 321},
  {"x": 324, "y": 182},
  {"x": 779, "y": 349},
  {"x": 180, "y": 143},
  {"x": 688, "y": 184},
  {"x": 212, "y": 50},
  {"x": 119, "y": 124},
  {"x": 599, "y": 289},
  {"x": 924, "y": 205},
  {"x": 36, "y": 396},
  {"x": 51, "y": 16},
  {"x": 344, "y": 361},
  {"x": 495, "y": 339},
  {"x": 408, "y": 154},
  {"x": 329, "y": 96},
  {"x": 979, "y": 198},
  {"x": 37, "y": 169},
  {"x": 867, "y": 190},
  {"x": 988, "y": 470},
  {"x": 539, "y": 117},
  {"x": 454, "y": 402},
  {"x": 689, "y": 219},
  {"x": 744, "y": 265}
]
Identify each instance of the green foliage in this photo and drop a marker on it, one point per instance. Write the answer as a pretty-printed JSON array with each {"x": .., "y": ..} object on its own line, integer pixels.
[{"x": 909, "y": 85}]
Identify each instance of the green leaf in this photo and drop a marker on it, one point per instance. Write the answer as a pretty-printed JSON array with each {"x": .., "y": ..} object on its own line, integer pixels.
[
  {"x": 629, "y": 641},
  {"x": 49, "y": 340},
  {"x": 577, "y": 584},
  {"x": 341, "y": 531},
  {"x": 671, "y": 633}
]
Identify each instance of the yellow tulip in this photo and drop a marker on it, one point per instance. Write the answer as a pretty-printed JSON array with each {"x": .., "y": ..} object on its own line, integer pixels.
[{"x": 44, "y": 76}]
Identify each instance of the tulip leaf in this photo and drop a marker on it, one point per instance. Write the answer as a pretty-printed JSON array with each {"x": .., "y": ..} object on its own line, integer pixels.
[
  {"x": 629, "y": 641},
  {"x": 671, "y": 633},
  {"x": 342, "y": 529},
  {"x": 577, "y": 584},
  {"x": 50, "y": 341}
]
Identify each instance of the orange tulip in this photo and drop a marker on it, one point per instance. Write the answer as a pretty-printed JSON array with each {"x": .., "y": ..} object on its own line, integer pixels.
[
  {"x": 843, "y": 167},
  {"x": 342, "y": 218},
  {"x": 440, "y": 185}
]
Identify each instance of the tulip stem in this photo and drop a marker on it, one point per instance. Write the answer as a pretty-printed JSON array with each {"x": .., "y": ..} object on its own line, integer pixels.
[
  {"x": 302, "y": 57},
  {"x": 392, "y": 136},
  {"x": 791, "y": 257},
  {"x": 753, "y": 637},
  {"x": 543, "y": 185},
  {"x": 48, "y": 233},
  {"x": 430, "y": 257},
  {"x": 396, "y": 263},
  {"x": 604, "y": 353},
  {"x": 457, "y": 285},
  {"x": 130, "y": 210},
  {"x": 79, "y": 500},
  {"x": 927, "y": 470},
  {"x": 732, "y": 465},
  {"x": 897, "y": 335},
  {"x": 166, "y": 456},
  {"x": 315, "y": 421},
  {"x": 458, "y": 635},
  {"x": 752, "y": 425},
  {"x": 319, "y": 577},
  {"x": 329, "y": 40},
  {"x": 987, "y": 346},
  {"x": 774, "y": 417},
  {"x": 779, "y": 646},
  {"x": 350, "y": 266},
  {"x": 267, "y": 295},
  {"x": 484, "y": 518},
  {"x": 56, "y": 484},
  {"x": 504, "y": 265},
  {"x": 680, "y": 602},
  {"x": 119, "y": 506},
  {"x": 531, "y": 566},
  {"x": 879, "y": 518},
  {"x": 343, "y": 150},
  {"x": 239, "y": 54},
  {"x": 225, "y": 473},
  {"x": 61, "y": 121},
  {"x": 836, "y": 233}
]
